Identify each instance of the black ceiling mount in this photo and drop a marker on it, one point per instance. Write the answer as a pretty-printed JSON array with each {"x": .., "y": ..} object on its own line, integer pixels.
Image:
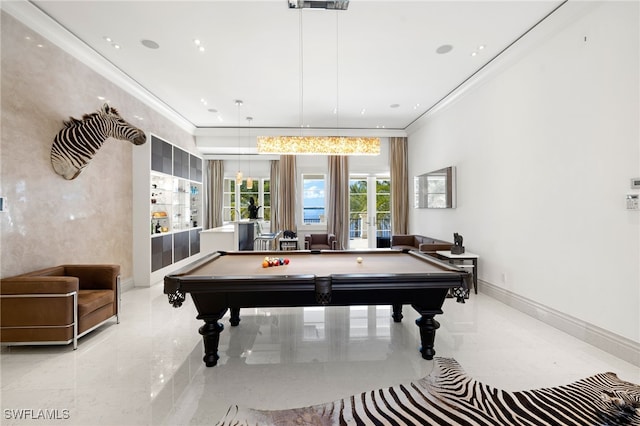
[{"x": 314, "y": 4}]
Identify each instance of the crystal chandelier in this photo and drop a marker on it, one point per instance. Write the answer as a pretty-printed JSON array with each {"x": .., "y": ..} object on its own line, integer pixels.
[{"x": 318, "y": 145}]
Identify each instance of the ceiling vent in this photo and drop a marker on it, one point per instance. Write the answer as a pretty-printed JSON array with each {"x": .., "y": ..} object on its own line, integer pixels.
[{"x": 313, "y": 4}]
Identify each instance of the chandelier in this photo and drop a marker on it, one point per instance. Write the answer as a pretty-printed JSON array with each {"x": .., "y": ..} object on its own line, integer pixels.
[{"x": 318, "y": 145}]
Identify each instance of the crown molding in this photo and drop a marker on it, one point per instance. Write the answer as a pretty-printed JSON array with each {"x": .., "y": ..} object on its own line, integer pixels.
[
  {"x": 34, "y": 18},
  {"x": 289, "y": 131}
]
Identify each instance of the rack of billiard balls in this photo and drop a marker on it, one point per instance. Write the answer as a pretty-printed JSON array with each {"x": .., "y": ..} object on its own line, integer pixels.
[{"x": 274, "y": 261}]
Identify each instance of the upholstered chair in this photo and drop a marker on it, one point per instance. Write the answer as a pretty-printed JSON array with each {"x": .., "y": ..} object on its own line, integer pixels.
[
  {"x": 404, "y": 242},
  {"x": 320, "y": 242},
  {"x": 58, "y": 305}
]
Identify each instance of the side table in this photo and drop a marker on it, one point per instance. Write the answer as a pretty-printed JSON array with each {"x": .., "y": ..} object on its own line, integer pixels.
[
  {"x": 452, "y": 258},
  {"x": 288, "y": 244}
]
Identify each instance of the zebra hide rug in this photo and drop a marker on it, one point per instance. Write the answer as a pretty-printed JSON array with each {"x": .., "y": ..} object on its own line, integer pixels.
[{"x": 448, "y": 396}]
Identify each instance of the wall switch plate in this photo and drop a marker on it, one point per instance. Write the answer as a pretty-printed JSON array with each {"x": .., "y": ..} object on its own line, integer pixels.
[{"x": 633, "y": 201}]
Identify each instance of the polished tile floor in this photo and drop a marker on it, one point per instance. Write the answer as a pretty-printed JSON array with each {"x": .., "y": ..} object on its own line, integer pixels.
[{"x": 147, "y": 370}]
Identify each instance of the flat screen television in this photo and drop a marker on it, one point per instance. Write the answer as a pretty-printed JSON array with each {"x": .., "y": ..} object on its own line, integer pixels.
[{"x": 436, "y": 190}]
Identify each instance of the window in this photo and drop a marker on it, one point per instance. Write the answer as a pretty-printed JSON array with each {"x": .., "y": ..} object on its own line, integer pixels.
[
  {"x": 358, "y": 206},
  {"x": 266, "y": 200},
  {"x": 313, "y": 199},
  {"x": 383, "y": 208},
  {"x": 236, "y": 199},
  {"x": 229, "y": 212},
  {"x": 369, "y": 212}
]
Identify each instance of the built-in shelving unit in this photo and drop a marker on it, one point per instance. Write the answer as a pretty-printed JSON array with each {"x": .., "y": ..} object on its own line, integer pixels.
[{"x": 171, "y": 189}]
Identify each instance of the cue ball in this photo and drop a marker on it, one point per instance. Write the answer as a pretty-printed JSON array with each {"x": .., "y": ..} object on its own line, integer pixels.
[{"x": 359, "y": 259}]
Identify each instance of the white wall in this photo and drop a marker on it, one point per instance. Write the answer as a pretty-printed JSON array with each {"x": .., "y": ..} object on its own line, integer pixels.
[{"x": 545, "y": 147}]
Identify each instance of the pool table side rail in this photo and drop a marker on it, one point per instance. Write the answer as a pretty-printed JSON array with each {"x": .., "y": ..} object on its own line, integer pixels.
[{"x": 181, "y": 281}]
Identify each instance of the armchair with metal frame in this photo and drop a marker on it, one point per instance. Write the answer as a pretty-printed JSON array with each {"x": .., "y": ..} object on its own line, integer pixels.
[{"x": 320, "y": 242}]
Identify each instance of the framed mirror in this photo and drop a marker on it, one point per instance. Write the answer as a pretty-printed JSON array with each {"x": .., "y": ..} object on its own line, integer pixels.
[{"x": 436, "y": 190}]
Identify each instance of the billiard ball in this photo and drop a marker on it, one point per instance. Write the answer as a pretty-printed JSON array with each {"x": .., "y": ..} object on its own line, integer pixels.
[
  {"x": 359, "y": 259},
  {"x": 286, "y": 261}
]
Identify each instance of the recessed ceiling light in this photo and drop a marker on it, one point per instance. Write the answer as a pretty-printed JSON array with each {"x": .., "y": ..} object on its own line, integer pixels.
[
  {"x": 476, "y": 52},
  {"x": 113, "y": 43},
  {"x": 445, "y": 48},
  {"x": 363, "y": 111},
  {"x": 198, "y": 44},
  {"x": 150, "y": 44}
]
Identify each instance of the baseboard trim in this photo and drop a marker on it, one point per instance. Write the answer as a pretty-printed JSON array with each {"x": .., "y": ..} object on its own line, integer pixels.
[
  {"x": 126, "y": 284},
  {"x": 612, "y": 343}
]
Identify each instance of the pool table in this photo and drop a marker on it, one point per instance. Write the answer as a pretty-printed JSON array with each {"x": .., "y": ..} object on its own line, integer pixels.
[{"x": 232, "y": 280}]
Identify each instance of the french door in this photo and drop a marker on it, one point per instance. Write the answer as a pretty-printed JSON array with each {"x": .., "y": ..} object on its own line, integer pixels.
[{"x": 369, "y": 211}]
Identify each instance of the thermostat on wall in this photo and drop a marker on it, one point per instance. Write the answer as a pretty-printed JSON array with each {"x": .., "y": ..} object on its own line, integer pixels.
[
  {"x": 635, "y": 183},
  {"x": 632, "y": 202}
]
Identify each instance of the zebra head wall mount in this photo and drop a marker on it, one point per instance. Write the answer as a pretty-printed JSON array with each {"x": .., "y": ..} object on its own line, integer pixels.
[{"x": 76, "y": 144}]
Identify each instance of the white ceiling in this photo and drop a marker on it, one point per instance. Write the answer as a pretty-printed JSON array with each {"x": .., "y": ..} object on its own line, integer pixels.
[{"x": 376, "y": 62}]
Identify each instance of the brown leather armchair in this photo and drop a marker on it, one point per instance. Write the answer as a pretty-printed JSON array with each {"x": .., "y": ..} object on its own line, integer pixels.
[
  {"x": 320, "y": 242},
  {"x": 58, "y": 305}
]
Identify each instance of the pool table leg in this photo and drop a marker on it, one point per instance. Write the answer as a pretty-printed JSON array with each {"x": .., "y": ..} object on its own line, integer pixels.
[
  {"x": 234, "y": 320},
  {"x": 210, "y": 332},
  {"x": 428, "y": 327},
  {"x": 397, "y": 312}
]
